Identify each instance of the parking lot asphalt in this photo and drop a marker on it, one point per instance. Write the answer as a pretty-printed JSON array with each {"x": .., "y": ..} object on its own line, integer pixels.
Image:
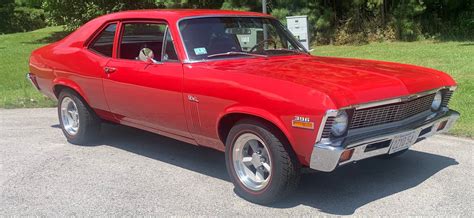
[{"x": 133, "y": 172}]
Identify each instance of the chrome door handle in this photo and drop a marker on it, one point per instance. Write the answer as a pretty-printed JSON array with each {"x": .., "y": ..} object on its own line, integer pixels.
[{"x": 109, "y": 70}]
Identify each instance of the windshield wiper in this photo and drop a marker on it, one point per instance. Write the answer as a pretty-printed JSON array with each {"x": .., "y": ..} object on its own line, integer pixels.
[
  {"x": 289, "y": 50},
  {"x": 230, "y": 53}
]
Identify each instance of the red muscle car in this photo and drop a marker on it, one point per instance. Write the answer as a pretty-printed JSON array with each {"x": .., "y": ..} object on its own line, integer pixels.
[{"x": 239, "y": 82}]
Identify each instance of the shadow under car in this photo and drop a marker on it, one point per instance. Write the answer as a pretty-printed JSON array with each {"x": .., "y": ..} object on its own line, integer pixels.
[{"x": 340, "y": 192}]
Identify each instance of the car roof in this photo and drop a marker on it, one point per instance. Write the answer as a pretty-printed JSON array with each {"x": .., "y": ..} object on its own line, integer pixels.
[
  {"x": 176, "y": 14},
  {"x": 79, "y": 37}
]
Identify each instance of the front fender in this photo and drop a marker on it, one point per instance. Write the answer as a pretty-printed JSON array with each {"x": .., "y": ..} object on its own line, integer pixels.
[
  {"x": 264, "y": 114},
  {"x": 301, "y": 140}
]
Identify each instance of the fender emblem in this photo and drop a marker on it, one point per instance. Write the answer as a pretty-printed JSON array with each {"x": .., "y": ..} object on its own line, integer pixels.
[{"x": 302, "y": 122}]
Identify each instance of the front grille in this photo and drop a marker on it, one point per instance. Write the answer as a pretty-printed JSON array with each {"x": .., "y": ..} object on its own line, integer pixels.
[
  {"x": 390, "y": 113},
  {"x": 327, "y": 128},
  {"x": 446, "y": 97}
]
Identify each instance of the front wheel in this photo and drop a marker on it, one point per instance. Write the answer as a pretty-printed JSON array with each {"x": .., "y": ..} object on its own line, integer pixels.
[
  {"x": 262, "y": 167},
  {"x": 78, "y": 122}
]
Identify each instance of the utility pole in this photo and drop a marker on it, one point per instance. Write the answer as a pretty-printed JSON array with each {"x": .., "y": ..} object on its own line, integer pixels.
[{"x": 264, "y": 6}]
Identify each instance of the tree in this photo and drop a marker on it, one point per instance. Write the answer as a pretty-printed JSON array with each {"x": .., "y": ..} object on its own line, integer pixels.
[
  {"x": 7, "y": 8},
  {"x": 73, "y": 13},
  {"x": 330, "y": 21},
  {"x": 29, "y": 3}
]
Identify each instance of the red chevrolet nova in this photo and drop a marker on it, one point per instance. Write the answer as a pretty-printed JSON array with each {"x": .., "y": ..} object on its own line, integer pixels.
[{"x": 239, "y": 82}]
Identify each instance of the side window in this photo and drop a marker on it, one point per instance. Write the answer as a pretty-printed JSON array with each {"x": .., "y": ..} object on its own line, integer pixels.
[
  {"x": 142, "y": 37},
  {"x": 169, "y": 53},
  {"x": 104, "y": 42}
]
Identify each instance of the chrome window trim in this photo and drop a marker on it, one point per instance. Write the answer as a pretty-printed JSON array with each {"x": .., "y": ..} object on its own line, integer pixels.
[
  {"x": 93, "y": 37},
  {"x": 188, "y": 61},
  {"x": 159, "y": 22},
  {"x": 165, "y": 44},
  {"x": 398, "y": 99}
]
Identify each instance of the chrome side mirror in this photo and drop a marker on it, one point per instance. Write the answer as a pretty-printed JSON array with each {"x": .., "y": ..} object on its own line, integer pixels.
[{"x": 147, "y": 55}]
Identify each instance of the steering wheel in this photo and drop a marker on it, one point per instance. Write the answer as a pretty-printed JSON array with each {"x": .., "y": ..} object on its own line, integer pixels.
[{"x": 261, "y": 43}]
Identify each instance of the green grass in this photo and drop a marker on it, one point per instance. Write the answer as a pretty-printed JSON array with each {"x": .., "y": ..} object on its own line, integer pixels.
[
  {"x": 455, "y": 58},
  {"x": 15, "y": 50}
]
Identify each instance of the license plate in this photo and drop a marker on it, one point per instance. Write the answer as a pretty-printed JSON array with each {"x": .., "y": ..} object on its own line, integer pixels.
[{"x": 403, "y": 141}]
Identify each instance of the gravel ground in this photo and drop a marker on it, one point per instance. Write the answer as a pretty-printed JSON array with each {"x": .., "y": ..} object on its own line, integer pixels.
[{"x": 132, "y": 172}]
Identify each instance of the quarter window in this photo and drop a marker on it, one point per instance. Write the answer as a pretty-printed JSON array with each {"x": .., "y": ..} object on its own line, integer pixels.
[{"x": 104, "y": 42}]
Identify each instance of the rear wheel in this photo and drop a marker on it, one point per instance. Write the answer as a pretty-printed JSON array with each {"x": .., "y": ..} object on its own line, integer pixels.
[
  {"x": 78, "y": 122},
  {"x": 262, "y": 167}
]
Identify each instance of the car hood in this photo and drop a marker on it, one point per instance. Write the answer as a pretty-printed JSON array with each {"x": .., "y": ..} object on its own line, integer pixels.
[{"x": 346, "y": 81}]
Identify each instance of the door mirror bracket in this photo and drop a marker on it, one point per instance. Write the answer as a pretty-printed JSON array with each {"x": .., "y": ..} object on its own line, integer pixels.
[{"x": 153, "y": 61}]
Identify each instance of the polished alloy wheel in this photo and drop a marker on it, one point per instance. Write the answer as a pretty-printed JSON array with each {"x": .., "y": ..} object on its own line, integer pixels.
[
  {"x": 252, "y": 162},
  {"x": 69, "y": 116}
]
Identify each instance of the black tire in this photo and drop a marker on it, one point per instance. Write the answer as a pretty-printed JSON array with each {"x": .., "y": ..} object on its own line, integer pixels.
[
  {"x": 89, "y": 122},
  {"x": 285, "y": 167},
  {"x": 394, "y": 155}
]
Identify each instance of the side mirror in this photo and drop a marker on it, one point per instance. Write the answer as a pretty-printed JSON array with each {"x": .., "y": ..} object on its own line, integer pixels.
[{"x": 147, "y": 55}]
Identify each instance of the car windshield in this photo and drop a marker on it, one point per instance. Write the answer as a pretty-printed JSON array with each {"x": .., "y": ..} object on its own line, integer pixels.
[{"x": 227, "y": 37}]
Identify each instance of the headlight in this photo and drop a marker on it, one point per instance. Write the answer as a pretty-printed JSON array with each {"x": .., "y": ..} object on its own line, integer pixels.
[
  {"x": 339, "y": 126},
  {"x": 437, "y": 101}
]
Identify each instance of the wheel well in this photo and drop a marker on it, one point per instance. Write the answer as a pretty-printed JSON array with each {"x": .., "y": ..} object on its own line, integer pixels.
[
  {"x": 228, "y": 121},
  {"x": 58, "y": 88}
]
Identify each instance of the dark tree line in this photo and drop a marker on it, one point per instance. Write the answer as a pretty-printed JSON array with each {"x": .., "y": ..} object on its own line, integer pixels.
[{"x": 330, "y": 21}]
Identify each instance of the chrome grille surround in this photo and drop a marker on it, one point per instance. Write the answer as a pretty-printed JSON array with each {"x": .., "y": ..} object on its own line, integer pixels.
[
  {"x": 324, "y": 132},
  {"x": 390, "y": 113}
]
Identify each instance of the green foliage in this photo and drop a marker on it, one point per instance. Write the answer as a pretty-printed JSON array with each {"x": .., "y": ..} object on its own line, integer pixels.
[
  {"x": 29, "y": 3},
  {"x": 188, "y": 3},
  {"x": 330, "y": 21},
  {"x": 448, "y": 19},
  {"x": 405, "y": 21},
  {"x": 21, "y": 15},
  {"x": 7, "y": 8},
  {"x": 27, "y": 19},
  {"x": 73, "y": 13},
  {"x": 15, "y": 50},
  {"x": 242, "y": 5}
]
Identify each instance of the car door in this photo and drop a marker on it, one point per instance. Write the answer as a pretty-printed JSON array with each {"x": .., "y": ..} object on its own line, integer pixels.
[{"x": 145, "y": 92}]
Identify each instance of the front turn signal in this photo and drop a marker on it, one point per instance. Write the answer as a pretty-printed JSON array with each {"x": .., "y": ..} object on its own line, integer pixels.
[{"x": 346, "y": 155}]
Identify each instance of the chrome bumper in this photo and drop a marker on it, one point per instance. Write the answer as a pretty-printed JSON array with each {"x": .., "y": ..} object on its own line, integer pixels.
[
  {"x": 31, "y": 77},
  {"x": 326, "y": 156}
]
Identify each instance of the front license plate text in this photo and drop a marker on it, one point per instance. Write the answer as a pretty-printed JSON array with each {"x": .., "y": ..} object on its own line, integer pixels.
[{"x": 403, "y": 141}]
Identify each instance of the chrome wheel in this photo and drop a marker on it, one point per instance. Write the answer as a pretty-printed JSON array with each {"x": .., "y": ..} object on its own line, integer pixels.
[
  {"x": 252, "y": 161},
  {"x": 69, "y": 116}
]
